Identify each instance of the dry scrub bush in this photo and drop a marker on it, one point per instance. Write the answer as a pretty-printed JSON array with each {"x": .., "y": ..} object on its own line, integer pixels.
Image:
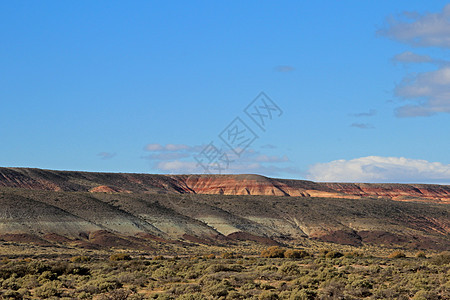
[
  {"x": 80, "y": 258},
  {"x": 291, "y": 253},
  {"x": 120, "y": 256},
  {"x": 353, "y": 254},
  {"x": 421, "y": 254},
  {"x": 397, "y": 254},
  {"x": 228, "y": 255},
  {"x": 330, "y": 253},
  {"x": 273, "y": 252}
]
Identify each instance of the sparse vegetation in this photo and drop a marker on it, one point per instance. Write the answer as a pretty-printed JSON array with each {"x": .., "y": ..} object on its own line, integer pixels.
[
  {"x": 109, "y": 264},
  {"x": 325, "y": 274}
]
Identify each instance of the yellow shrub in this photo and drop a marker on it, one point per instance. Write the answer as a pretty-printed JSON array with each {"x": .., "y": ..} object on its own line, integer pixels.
[
  {"x": 273, "y": 252},
  {"x": 397, "y": 254}
]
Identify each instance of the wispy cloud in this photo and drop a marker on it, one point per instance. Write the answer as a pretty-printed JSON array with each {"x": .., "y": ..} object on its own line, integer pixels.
[
  {"x": 268, "y": 146},
  {"x": 381, "y": 169},
  {"x": 241, "y": 167},
  {"x": 271, "y": 158},
  {"x": 166, "y": 156},
  {"x": 179, "y": 159},
  {"x": 370, "y": 113},
  {"x": 106, "y": 155},
  {"x": 178, "y": 167},
  {"x": 362, "y": 125},
  {"x": 284, "y": 69},
  {"x": 422, "y": 30},
  {"x": 425, "y": 93},
  {"x": 410, "y": 57},
  {"x": 168, "y": 147},
  {"x": 429, "y": 90}
]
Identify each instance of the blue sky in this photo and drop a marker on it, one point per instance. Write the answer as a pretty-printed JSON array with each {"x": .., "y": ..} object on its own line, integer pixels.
[{"x": 145, "y": 86}]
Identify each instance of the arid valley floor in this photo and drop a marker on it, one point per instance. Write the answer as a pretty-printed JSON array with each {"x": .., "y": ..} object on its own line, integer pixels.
[{"x": 138, "y": 236}]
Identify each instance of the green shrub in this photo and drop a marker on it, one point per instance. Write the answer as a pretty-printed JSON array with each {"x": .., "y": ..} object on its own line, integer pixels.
[
  {"x": 218, "y": 290},
  {"x": 10, "y": 294},
  {"x": 303, "y": 294},
  {"x": 223, "y": 268},
  {"x": 352, "y": 254},
  {"x": 290, "y": 269},
  {"x": 49, "y": 289},
  {"x": 333, "y": 254},
  {"x": 164, "y": 273},
  {"x": 267, "y": 295},
  {"x": 118, "y": 294},
  {"x": 425, "y": 295},
  {"x": 441, "y": 259},
  {"x": 11, "y": 283},
  {"x": 47, "y": 276},
  {"x": 108, "y": 284},
  {"x": 191, "y": 296}
]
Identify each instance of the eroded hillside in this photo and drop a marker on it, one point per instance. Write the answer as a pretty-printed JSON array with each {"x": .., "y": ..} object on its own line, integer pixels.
[
  {"x": 37, "y": 179},
  {"x": 96, "y": 210}
]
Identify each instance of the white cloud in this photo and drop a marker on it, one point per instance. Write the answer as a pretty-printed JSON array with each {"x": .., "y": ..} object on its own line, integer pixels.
[
  {"x": 427, "y": 30},
  {"x": 410, "y": 57},
  {"x": 430, "y": 90},
  {"x": 381, "y": 169}
]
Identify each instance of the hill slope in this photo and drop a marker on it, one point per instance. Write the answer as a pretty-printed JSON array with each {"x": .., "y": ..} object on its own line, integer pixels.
[
  {"x": 139, "y": 210},
  {"x": 37, "y": 179}
]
